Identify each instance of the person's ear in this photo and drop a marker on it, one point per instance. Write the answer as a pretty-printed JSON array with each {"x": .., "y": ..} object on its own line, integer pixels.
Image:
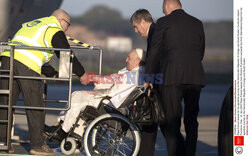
[{"x": 60, "y": 21}]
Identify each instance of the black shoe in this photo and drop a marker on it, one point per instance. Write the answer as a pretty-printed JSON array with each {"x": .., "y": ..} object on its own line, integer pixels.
[
  {"x": 51, "y": 129},
  {"x": 59, "y": 135},
  {"x": 49, "y": 132}
]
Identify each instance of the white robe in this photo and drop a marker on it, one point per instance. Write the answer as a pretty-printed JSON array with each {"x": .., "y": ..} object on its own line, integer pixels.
[{"x": 119, "y": 87}]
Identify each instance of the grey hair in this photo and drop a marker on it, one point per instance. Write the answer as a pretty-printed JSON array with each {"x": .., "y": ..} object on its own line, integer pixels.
[{"x": 140, "y": 14}]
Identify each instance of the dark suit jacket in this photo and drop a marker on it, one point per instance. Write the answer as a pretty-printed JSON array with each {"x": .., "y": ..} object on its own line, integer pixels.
[
  {"x": 150, "y": 35},
  {"x": 178, "y": 43}
]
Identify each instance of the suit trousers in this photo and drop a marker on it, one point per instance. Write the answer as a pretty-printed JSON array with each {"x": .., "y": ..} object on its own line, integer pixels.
[
  {"x": 32, "y": 95},
  {"x": 171, "y": 97},
  {"x": 148, "y": 139},
  {"x": 149, "y": 134}
]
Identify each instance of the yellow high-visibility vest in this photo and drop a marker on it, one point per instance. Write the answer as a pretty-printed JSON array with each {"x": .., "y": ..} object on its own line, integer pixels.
[{"x": 37, "y": 33}]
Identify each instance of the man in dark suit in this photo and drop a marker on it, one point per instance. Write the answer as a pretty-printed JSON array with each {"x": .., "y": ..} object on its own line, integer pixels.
[
  {"x": 178, "y": 43},
  {"x": 143, "y": 25}
]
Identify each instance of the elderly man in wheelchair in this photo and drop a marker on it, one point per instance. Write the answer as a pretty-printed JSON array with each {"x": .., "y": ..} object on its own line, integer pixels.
[{"x": 88, "y": 105}]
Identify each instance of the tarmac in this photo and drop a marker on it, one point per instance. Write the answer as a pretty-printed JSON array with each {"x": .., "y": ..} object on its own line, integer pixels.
[
  {"x": 210, "y": 105},
  {"x": 206, "y": 146}
]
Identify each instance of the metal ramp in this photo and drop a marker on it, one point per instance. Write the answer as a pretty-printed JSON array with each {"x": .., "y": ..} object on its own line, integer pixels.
[{"x": 10, "y": 76}]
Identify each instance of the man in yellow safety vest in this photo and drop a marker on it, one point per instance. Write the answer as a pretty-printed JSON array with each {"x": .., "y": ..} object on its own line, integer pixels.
[{"x": 43, "y": 32}]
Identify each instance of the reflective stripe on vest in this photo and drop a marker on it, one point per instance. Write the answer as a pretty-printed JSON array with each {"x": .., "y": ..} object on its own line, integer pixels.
[
  {"x": 31, "y": 56},
  {"x": 32, "y": 43}
]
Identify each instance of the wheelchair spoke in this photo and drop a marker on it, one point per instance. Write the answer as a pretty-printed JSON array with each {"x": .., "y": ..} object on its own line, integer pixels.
[
  {"x": 126, "y": 146},
  {"x": 110, "y": 152},
  {"x": 113, "y": 152},
  {"x": 101, "y": 135},
  {"x": 111, "y": 137},
  {"x": 121, "y": 150},
  {"x": 123, "y": 153}
]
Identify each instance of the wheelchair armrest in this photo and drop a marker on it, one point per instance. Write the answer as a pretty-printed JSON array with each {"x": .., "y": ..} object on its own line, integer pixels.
[
  {"x": 132, "y": 97},
  {"x": 101, "y": 103},
  {"x": 105, "y": 108}
]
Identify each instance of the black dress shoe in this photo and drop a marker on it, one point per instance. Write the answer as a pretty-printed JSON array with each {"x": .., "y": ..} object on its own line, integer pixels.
[
  {"x": 51, "y": 129},
  {"x": 59, "y": 135}
]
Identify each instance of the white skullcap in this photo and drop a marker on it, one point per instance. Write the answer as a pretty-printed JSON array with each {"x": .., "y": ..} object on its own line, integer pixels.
[{"x": 141, "y": 54}]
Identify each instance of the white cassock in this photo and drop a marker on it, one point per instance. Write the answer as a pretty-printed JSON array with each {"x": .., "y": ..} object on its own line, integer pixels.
[{"x": 118, "y": 86}]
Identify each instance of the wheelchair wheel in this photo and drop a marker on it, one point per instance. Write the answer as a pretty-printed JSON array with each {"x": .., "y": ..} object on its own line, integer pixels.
[
  {"x": 68, "y": 146},
  {"x": 111, "y": 134}
]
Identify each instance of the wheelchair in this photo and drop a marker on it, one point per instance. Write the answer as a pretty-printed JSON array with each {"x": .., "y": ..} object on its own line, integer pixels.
[{"x": 105, "y": 130}]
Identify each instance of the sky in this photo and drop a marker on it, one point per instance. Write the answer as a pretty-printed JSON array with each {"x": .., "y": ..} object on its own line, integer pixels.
[{"x": 206, "y": 10}]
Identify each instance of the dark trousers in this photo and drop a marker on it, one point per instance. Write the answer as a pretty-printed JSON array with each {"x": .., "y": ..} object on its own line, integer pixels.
[
  {"x": 148, "y": 139},
  {"x": 32, "y": 94},
  {"x": 171, "y": 97},
  {"x": 149, "y": 134}
]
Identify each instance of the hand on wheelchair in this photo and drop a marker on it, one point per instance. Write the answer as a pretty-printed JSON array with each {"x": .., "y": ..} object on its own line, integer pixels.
[{"x": 148, "y": 87}]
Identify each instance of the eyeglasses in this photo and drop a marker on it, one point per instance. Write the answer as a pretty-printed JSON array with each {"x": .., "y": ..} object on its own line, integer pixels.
[{"x": 66, "y": 22}]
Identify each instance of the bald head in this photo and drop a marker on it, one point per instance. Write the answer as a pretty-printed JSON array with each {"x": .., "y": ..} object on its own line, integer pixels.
[
  {"x": 63, "y": 17},
  {"x": 171, "y": 5}
]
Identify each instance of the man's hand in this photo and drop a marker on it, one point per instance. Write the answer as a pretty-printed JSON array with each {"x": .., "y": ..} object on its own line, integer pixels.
[
  {"x": 148, "y": 85},
  {"x": 89, "y": 78},
  {"x": 91, "y": 92},
  {"x": 56, "y": 75},
  {"x": 95, "y": 79},
  {"x": 84, "y": 79},
  {"x": 58, "y": 82}
]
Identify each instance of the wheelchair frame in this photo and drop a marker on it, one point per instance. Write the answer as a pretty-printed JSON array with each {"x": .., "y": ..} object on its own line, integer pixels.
[{"x": 92, "y": 117}]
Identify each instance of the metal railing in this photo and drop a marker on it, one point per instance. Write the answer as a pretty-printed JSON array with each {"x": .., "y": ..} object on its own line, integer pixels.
[
  {"x": 11, "y": 78},
  {"x": 95, "y": 48}
]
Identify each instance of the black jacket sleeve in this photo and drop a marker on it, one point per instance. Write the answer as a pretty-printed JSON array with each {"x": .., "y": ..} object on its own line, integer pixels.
[
  {"x": 48, "y": 70},
  {"x": 202, "y": 42},
  {"x": 59, "y": 41},
  {"x": 154, "y": 50}
]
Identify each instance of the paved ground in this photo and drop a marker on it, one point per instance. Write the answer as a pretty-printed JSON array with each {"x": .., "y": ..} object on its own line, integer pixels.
[
  {"x": 210, "y": 104},
  {"x": 207, "y": 140}
]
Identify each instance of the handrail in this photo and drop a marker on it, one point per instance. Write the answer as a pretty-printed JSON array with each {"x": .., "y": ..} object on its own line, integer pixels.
[
  {"x": 33, "y": 47},
  {"x": 36, "y": 78},
  {"x": 4, "y": 45},
  {"x": 92, "y": 48}
]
